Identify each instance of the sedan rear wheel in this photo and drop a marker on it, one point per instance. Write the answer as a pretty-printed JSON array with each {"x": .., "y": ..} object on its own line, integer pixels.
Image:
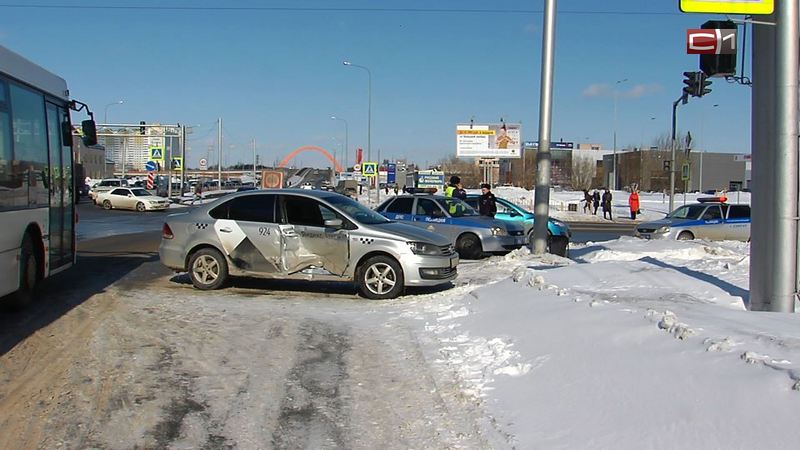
[
  {"x": 380, "y": 278},
  {"x": 140, "y": 207},
  {"x": 208, "y": 269}
]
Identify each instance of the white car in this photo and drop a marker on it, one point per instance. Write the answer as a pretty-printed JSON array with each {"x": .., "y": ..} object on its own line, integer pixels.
[
  {"x": 132, "y": 198},
  {"x": 105, "y": 186}
]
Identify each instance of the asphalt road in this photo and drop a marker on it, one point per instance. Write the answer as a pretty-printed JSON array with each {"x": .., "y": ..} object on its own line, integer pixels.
[{"x": 600, "y": 231}]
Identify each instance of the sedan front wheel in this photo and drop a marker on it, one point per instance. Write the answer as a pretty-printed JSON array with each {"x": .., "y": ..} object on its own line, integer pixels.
[{"x": 380, "y": 278}]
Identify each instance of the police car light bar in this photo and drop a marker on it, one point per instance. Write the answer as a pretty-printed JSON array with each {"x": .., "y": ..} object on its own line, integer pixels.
[
  {"x": 721, "y": 199},
  {"x": 413, "y": 190}
]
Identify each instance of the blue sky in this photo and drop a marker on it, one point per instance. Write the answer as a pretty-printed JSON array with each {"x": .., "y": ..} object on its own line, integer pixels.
[{"x": 276, "y": 75}]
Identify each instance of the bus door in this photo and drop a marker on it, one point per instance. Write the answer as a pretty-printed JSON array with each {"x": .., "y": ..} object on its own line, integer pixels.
[{"x": 62, "y": 244}]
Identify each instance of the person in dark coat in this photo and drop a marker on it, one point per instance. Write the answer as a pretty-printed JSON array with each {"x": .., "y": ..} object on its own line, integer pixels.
[
  {"x": 595, "y": 201},
  {"x": 587, "y": 199},
  {"x": 487, "y": 204},
  {"x": 606, "y": 202}
]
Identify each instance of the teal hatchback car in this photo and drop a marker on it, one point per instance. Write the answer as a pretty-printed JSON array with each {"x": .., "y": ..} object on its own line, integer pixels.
[{"x": 558, "y": 232}]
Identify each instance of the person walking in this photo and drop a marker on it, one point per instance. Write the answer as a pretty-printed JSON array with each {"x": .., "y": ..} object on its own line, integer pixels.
[
  {"x": 487, "y": 203},
  {"x": 595, "y": 201},
  {"x": 633, "y": 202},
  {"x": 606, "y": 203},
  {"x": 587, "y": 199},
  {"x": 455, "y": 189}
]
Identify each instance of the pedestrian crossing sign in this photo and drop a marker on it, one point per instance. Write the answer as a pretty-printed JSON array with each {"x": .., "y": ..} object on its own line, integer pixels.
[
  {"x": 177, "y": 163},
  {"x": 157, "y": 154},
  {"x": 369, "y": 169}
]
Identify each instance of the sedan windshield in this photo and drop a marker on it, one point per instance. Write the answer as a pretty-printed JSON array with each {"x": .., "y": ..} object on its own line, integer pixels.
[
  {"x": 691, "y": 212},
  {"x": 140, "y": 193},
  {"x": 356, "y": 210},
  {"x": 456, "y": 207}
]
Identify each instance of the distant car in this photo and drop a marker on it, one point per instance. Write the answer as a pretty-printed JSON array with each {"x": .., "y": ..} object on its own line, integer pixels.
[
  {"x": 307, "y": 186},
  {"x": 558, "y": 232},
  {"x": 132, "y": 198},
  {"x": 709, "y": 218},
  {"x": 106, "y": 185},
  {"x": 246, "y": 188},
  {"x": 304, "y": 235},
  {"x": 472, "y": 234}
]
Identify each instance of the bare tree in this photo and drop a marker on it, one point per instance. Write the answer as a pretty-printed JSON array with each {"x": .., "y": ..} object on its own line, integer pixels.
[{"x": 583, "y": 172}]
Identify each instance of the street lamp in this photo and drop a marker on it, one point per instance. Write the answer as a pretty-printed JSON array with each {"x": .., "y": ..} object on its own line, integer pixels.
[
  {"x": 105, "y": 115},
  {"x": 346, "y": 147},
  {"x": 702, "y": 150},
  {"x": 369, "y": 107},
  {"x": 614, "y": 163}
]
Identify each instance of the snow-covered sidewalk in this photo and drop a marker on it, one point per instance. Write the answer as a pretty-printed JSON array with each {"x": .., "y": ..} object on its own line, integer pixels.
[{"x": 632, "y": 344}]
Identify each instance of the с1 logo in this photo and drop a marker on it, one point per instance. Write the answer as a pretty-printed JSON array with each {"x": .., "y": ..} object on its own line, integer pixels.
[{"x": 711, "y": 41}]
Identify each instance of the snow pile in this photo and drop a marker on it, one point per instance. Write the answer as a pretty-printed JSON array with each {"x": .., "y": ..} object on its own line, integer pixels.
[{"x": 634, "y": 344}]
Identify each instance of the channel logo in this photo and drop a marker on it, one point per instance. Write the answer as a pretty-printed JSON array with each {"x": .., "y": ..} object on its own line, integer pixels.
[{"x": 715, "y": 41}]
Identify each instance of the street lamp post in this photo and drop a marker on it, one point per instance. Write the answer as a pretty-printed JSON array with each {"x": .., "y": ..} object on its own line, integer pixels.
[
  {"x": 369, "y": 107},
  {"x": 614, "y": 162},
  {"x": 702, "y": 150},
  {"x": 105, "y": 115},
  {"x": 346, "y": 147}
]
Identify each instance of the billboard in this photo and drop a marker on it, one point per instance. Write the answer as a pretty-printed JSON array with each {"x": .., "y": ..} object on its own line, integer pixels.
[
  {"x": 499, "y": 140},
  {"x": 430, "y": 179},
  {"x": 271, "y": 179}
]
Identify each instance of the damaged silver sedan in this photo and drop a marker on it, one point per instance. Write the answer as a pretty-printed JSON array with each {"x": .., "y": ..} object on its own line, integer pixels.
[{"x": 305, "y": 235}]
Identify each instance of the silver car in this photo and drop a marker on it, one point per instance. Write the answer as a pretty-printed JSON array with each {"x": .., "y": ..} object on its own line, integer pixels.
[
  {"x": 305, "y": 235},
  {"x": 708, "y": 219},
  {"x": 472, "y": 234}
]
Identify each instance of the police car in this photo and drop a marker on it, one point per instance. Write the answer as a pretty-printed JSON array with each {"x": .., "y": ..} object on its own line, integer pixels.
[
  {"x": 710, "y": 218},
  {"x": 306, "y": 235},
  {"x": 472, "y": 234},
  {"x": 558, "y": 232}
]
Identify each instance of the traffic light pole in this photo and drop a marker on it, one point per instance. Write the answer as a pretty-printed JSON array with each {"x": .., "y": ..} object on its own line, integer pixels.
[
  {"x": 673, "y": 144},
  {"x": 774, "y": 238}
]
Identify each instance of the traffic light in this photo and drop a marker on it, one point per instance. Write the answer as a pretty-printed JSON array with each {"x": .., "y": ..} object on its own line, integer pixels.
[
  {"x": 692, "y": 82},
  {"x": 667, "y": 166},
  {"x": 703, "y": 84},
  {"x": 141, "y": 129},
  {"x": 714, "y": 64}
]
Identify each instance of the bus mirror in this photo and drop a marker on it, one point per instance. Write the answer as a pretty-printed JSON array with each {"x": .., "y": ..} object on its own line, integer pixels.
[{"x": 89, "y": 132}]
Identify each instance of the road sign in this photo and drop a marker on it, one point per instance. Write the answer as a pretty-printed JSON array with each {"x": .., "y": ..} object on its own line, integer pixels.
[
  {"x": 391, "y": 173},
  {"x": 177, "y": 163},
  {"x": 728, "y": 6},
  {"x": 203, "y": 164},
  {"x": 157, "y": 154},
  {"x": 357, "y": 168},
  {"x": 272, "y": 179},
  {"x": 370, "y": 169},
  {"x": 685, "y": 172},
  {"x": 150, "y": 166}
]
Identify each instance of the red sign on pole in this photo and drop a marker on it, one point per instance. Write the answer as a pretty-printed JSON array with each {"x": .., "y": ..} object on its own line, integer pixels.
[{"x": 359, "y": 155}]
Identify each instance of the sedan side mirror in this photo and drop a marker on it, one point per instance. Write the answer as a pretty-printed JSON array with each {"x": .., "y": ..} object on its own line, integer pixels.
[{"x": 333, "y": 223}]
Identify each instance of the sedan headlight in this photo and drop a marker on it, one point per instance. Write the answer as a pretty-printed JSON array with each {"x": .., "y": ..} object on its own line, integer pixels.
[
  {"x": 422, "y": 248},
  {"x": 664, "y": 229},
  {"x": 499, "y": 231}
]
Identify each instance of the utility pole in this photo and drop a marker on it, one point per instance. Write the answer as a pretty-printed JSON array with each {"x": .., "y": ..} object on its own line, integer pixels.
[
  {"x": 219, "y": 153},
  {"x": 541, "y": 207},
  {"x": 683, "y": 99},
  {"x": 774, "y": 231},
  {"x": 254, "y": 161}
]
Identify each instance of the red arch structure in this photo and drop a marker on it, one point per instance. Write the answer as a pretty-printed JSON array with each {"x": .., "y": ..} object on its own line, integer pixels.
[{"x": 314, "y": 148}]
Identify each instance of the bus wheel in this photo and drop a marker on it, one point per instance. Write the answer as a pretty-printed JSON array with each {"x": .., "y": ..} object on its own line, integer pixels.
[{"x": 28, "y": 275}]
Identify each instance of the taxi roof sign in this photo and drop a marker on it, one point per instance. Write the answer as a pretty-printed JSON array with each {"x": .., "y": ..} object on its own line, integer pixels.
[{"x": 728, "y": 6}]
